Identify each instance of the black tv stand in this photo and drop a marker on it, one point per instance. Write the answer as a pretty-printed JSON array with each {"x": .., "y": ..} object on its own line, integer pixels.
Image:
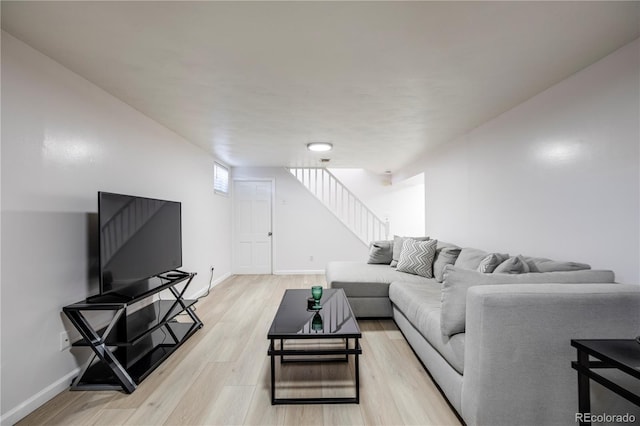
[{"x": 134, "y": 343}]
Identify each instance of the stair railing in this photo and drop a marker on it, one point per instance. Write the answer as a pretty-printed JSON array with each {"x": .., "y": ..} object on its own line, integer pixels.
[{"x": 343, "y": 203}]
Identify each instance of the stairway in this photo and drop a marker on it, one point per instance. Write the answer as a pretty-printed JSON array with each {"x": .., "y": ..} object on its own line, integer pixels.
[{"x": 336, "y": 197}]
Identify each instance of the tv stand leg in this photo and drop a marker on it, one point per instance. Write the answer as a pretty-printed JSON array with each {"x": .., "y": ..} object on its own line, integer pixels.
[
  {"x": 100, "y": 349},
  {"x": 180, "y": 299}
]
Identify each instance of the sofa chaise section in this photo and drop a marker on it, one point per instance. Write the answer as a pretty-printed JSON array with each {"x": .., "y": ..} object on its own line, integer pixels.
[{"x": 367, "y": 286}]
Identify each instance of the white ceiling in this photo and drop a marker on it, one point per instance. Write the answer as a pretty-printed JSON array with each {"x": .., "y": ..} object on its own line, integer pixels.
[{"x": 253, "y": 82}]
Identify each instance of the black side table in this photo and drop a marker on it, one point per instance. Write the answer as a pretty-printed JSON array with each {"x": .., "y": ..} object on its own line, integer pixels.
[{"x": 623, "y": 355}]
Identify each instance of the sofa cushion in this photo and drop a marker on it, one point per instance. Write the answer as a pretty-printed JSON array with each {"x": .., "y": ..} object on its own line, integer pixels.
[
  {"x": 541, "y": 264},
  {"x": 420, "y": 304},
  {"x": 397, "y": 247},
  {"x": 457, "y": 281},
  {"x": 445, "y": 256},
  {"x": 470, "y": 258},
  {"x": 359, "y": 279},
  {"x": 491, "y": 262},
  {"x": 417, "y": 257},
  {"x": 443, "y": 244},
  {"x": 513, "y": 265},
  {"x": 381, "y": 252}
]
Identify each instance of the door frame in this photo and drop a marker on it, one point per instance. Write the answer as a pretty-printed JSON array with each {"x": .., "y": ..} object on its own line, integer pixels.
[{"x": 233, "y": 220}]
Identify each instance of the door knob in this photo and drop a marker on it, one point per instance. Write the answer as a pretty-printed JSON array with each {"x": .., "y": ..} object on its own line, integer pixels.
[{"x": 270, "y": 234}]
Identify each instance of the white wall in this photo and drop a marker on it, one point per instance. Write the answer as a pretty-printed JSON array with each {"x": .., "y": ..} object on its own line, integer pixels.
[
  {"x": 401, "y": 202},
  {"x": 363, "y": 183},
  {"x": 558, "y": 176},
  {"x": 64, "y": 139},
  {"x": 302, "y": 226}
]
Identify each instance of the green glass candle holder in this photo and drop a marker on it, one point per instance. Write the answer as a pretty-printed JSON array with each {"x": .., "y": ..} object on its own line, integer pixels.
[{"x": 316, "y": 293}]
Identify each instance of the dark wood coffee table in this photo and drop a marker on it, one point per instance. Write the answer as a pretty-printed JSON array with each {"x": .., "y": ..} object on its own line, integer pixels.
[{"x": 294, "y": 321}]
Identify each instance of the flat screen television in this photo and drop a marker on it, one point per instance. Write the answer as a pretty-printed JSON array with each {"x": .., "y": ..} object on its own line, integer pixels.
[{"x": 139, "y": 239}]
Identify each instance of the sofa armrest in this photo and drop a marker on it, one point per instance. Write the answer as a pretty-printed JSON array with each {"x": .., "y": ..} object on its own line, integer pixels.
[{"x": 517, "y": 367}]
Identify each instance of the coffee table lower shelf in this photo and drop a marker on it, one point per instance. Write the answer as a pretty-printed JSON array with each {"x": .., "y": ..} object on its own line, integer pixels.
[{"x": 303, "y": 355}]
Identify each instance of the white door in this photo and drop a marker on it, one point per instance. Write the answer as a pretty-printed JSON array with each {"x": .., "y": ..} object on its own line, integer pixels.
[{"x": 252, "y": 236}]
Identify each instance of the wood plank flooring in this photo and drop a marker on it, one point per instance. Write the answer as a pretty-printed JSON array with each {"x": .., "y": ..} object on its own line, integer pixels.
[{"x": 221, "y": 375}]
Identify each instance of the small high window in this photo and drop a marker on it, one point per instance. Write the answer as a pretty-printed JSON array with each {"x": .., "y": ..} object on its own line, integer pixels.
[{"x": 220, "y": 179}]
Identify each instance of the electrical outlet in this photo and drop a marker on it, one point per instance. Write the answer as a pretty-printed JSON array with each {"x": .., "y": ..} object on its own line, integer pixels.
[
  {"x": 310, "y": 258},
  {"x": 65, "y": 341}
]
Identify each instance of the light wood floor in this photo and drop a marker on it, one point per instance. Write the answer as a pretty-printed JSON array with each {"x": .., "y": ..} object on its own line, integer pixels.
[{"x": 221, "y": 374}]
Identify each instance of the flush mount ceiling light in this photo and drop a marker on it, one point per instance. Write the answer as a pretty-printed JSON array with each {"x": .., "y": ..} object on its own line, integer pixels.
[{"x": 319, "y": 146}]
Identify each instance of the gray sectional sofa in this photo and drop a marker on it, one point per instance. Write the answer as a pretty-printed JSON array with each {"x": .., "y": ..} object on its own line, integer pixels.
[{"x": 498, "y": 344}]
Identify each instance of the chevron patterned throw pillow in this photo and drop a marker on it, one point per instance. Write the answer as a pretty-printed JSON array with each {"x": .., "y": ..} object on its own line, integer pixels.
[{"x": 416, "y": 257}]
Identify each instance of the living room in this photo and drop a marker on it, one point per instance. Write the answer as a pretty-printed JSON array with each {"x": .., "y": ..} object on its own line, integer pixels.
[{"x": 523, "y": 118}]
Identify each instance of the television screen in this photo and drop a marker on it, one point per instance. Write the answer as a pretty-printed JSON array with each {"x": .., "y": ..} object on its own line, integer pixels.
[{"x": 139, "y": 238}]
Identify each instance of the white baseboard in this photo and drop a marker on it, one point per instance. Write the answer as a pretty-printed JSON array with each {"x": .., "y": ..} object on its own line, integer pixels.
[
  {"x": 214, "y": 283},
  {"x": 14, "y": 415},
  {"x": 221, "y": 278},
  {"x": 299, "y": 272}
]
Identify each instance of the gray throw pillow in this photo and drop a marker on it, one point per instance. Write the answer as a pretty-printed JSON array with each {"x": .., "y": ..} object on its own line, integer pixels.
[
  {"x": 513, "y": 265},
  {"x": 541, "y": 264},
  {"x": 491, "y": 261},
  {"x": 457, "y": 281},
  {"x": 397, "y": 247},
  {"x": 380, "y": 252},
  {"x": 470, "y": 258},
  {"x": 417, "y": 257},
  {"x": 444, "y": 256}
]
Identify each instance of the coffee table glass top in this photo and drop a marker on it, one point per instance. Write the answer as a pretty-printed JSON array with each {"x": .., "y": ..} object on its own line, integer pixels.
[{"x": 294, "y": 320}]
